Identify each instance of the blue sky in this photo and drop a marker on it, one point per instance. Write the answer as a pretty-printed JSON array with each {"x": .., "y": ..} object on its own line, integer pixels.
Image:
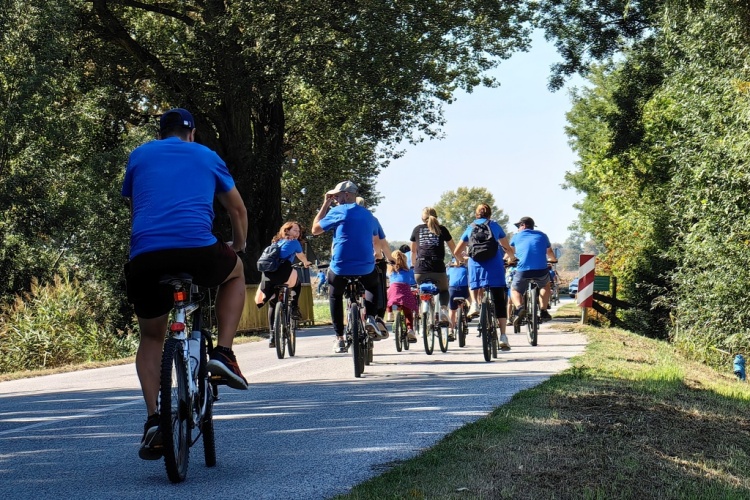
[{"x": 510, "y": 140}]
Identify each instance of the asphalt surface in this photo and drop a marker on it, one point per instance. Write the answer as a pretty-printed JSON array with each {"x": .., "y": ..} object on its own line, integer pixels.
[{"x": 305, "y": 429}]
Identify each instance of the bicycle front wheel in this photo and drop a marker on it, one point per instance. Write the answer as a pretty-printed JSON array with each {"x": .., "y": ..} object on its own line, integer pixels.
[
  {"x": 279, "y": 325},
  {"x": 206, "y": 398},
  {"x": 175, "y": 410},
  {"x": 397, "y": 330},
  {"x": 486, "y": 330},
  {"x": 532, "y": 315}
]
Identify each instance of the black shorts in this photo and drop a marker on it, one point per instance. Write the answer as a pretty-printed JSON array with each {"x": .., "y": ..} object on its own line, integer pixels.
[{"x": 210, "y": 266}]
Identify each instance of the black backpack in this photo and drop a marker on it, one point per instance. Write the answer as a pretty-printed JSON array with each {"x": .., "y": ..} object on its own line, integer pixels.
[
  {"x": 270, "y": 259},
  {"x": 482, "y": 243}
]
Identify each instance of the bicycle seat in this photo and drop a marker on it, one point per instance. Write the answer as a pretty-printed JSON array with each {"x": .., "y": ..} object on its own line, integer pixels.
[
  {"x": 184, "y": 279},
  {"x": 459, "y": 300}
]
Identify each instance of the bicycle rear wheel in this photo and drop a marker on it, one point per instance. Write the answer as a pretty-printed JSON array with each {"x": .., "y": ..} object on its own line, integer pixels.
[
  {"x": 428, "y": 334},
  {"x": 207, "y": 396},
  {"x": 175, "y": 410},
  {"x": 461, "y": 327},
  {"x": 279, "y": 325},
  {"x": 292, "y": 337},
  {"x": 397, "y": 332},
  {"x": 532, "y": 315},
  {"x": 443, "y": 338},
  {"x": 485, "y": 330},
  {"x": 358, "y": 353}
]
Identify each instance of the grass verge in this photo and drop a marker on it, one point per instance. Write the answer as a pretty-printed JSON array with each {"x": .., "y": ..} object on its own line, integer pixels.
[{"x": 629, "y": 419}]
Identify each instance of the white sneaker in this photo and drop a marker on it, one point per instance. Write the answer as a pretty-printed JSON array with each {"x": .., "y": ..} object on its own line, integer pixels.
[
  {"x": 411, "y": 336},
  {"x": 376, "y": 328},
  {"x": 473, "y": 311},
  {"x": 504, "y": 345},
  {"x": 443, "y": 318},
  {"x": 339, "y": 346}
]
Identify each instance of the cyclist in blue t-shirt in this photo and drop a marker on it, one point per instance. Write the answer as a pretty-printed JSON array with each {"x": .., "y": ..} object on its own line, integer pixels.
[
  {"x": 355, "y": 237},
  {"x": 171, "y": 184},
  {"x": 288, "y": 240},
  {"x": 321, "y": 280},
  {"x": 533, "y": 251},
  {"x": 458, "y": 287}
]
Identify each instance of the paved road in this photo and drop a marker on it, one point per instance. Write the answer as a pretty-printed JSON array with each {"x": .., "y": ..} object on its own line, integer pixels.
[{"x": 306, "y": 428}]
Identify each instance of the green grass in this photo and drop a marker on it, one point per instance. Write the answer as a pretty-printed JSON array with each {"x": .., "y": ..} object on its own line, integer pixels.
[{"x": 629, "y": 419}]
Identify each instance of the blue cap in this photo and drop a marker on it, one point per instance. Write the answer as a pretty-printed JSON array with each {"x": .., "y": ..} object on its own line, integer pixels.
[{"x": 185, "y": 117}]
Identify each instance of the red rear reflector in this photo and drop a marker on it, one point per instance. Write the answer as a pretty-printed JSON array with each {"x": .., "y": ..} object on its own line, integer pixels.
[
  {"x": 177, "y": 327},
  {"x": 181, "y": 295},
  {"x": 425, "y": 296}
]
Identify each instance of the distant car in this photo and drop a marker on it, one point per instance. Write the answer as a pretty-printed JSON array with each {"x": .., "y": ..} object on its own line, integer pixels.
[{"x": 573, "y": 288}]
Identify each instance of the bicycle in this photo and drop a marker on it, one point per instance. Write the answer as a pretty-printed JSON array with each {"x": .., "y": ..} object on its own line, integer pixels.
[
  {"x": 187, "y": 388},
  {"x": 531, "y": 304},
  {"x": 488, "y": 325},
  {"x": 355, "y": 333},
  {"x": 399, "y": 329},
  {"x": 430, "y": 324},
  {"x": 462, "y": 322},
  {"x": 284, "y": 325}
]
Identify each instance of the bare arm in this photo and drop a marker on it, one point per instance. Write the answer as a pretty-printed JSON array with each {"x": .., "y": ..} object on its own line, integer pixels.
[
  {"x": 551, "y": 255},
  {"x": 382, "y": 246},
  {"x": 316, "y": 229},
  {"x": 303, "y": 258},
  {"x": 510, "y": 253},
  {"x": 414, "y": 255},
  {"x": 452, "y": 247},
  {"x": 458, "y": 252},
  {"x": 232, "y": 202}
]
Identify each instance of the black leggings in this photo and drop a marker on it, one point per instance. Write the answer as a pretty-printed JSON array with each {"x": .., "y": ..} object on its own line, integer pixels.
[{"x": 336, "y": 287}]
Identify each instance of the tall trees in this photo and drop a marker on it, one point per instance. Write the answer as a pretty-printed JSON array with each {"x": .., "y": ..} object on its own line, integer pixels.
[
  {"x": 456, "y": 209},
  {"x": 369, "y": 74}
]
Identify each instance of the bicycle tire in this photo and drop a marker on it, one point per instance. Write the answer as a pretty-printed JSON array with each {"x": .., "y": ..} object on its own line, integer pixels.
[
  {"x": 461, "y": 326},
  {"x": 358, "y": 356},
  {"x": 484, "y": 329},
  {"x": 427, "y": 334},
  {"x": 397, "y": 330},
  {"x": 369, "y": 351},
  {"x": 279, "y": 325},
  {"x": 206, "y": 394},
  {"x": 532, "y": 316},
  {"x": 175, "y": 410},
  {"x": 443, "y": 338},
  {"x": 292, "y": 337}
]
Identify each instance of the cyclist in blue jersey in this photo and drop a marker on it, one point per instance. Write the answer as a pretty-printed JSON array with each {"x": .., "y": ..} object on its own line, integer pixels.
[
  {"x": 489, "y": 272},
  {"x": 288, "y": 240},
  {"x": 458, "y": 287},
  {"x": 171, "y": 184},
  {"x": 355, "y": 238},
  {"x": 533, "y": 251}
]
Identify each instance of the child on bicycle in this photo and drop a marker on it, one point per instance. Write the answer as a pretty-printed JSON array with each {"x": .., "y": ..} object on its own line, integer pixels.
[
  {"x": 288, "y": 239},
  {"x": 458, "y": 287},
  {"x": 399, "y": 290}
]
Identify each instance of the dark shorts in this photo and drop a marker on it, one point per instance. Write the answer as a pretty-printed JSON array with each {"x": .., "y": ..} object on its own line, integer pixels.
[
  {"x": 521, "y": 279},
  {"x": 455, "y": 293},
  {"x": 210, "y": 266}
]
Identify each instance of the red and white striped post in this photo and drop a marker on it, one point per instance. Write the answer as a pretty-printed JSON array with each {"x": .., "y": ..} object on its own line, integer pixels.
[{"x": 586, "y": 273}]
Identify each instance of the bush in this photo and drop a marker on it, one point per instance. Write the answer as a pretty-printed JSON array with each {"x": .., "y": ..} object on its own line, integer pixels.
[{"x": 60, "y": 323}]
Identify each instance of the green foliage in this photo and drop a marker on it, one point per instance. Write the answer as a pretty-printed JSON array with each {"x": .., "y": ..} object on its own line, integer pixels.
[
  {"x": 456, "y": 209},
  {"x": 60, "y": 323}
]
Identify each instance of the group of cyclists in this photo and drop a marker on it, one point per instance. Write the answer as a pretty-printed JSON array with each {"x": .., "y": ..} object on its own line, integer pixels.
[{"x": 168, "y": 237}]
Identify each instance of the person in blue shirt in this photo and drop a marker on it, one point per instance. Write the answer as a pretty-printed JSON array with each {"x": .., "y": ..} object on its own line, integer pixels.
[
  {"x": 533, "y": 251},
  {"x": 400, "y": 292},
  {"x": 171, "y": 184},
  {"x": 458, "y": 287},
  {"x": 490, "y": 272},
  {"x": 356, "y": 235},
  {"x": 288, "y": 240},
  {"x": 321, "y": 280}
]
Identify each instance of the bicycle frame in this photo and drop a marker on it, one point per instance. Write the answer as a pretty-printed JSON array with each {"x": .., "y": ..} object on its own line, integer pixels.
[
  {"x": 488, "y": 325},
  {"x": 354, "y": 293},
  {"x": 428, "y": 313}
]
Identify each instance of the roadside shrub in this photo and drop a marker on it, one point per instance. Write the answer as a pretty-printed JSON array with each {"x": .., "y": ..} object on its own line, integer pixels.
[{"x": 60, "y": 323}]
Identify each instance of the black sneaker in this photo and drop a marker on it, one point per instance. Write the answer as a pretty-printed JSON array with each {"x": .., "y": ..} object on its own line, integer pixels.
[
  {"x": 224, "y": 363},
  {"x": 296, "y": 313},
  {"x": 545, "y": 315},
  {"x": 272, "y": 344},
  {"x": 152, "y": 447},
  {"x": 520, "y": 314}
]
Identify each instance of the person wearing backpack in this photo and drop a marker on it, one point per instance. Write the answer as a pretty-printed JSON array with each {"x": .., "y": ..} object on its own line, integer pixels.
[
  {"x": 533, "y": 251},
  {"x": 486, "y": 244},
  {"x": 287, "y": 240},
  {"x": 428, "y": 242}
]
